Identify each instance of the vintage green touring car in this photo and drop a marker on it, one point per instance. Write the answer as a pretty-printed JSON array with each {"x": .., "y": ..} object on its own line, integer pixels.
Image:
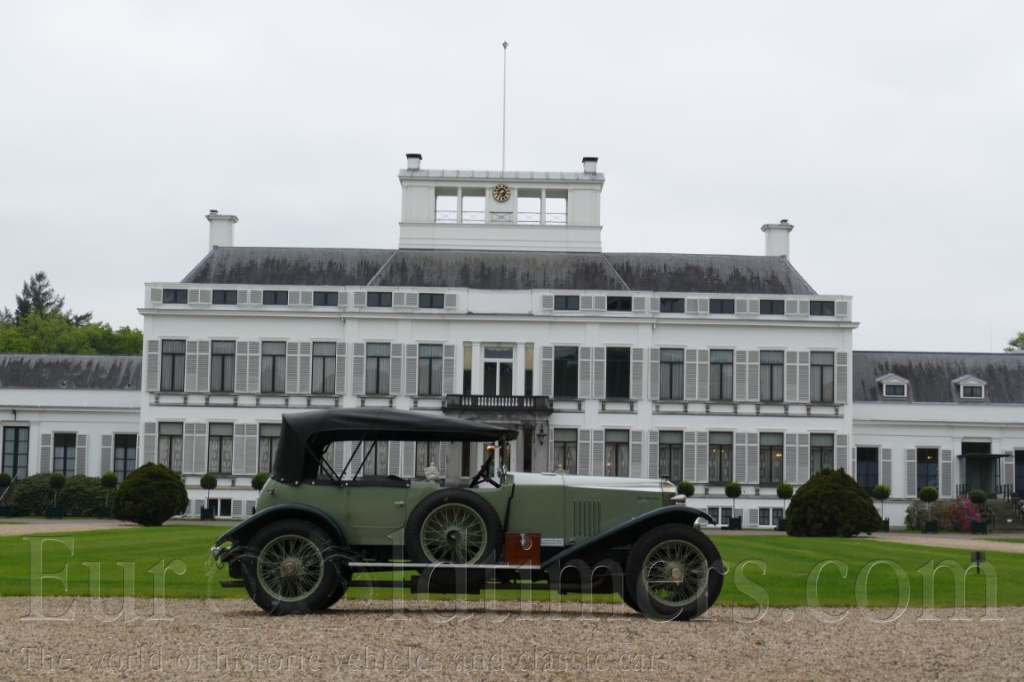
[{"x": 318, "y": 531}]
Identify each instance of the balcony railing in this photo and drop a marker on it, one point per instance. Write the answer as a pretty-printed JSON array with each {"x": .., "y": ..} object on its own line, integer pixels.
[{"x": 503, "y": 403}]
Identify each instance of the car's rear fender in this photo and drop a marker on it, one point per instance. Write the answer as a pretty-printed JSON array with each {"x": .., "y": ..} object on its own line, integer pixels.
[
  {"x": 625, "y": 534},
  {"x": 240, "y": 534}
]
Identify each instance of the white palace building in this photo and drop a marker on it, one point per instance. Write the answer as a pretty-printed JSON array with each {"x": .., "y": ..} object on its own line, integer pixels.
[{"x": 499, "y": 304}]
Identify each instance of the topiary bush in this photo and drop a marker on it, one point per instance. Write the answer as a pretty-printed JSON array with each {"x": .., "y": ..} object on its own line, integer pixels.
[
  {"x": 784, "y": 492},
  {"x": 150, "y": 495},
  {"x": 685, "y": 488},
  {"x": 81, "y": 495},
  {"x": 109, "y": 482},
  {"x": 57, "y": 482},
  {"x": 259, "y": 480},
  {"x": 832, "y": 504},
  {"x": 978, "y": 497}
]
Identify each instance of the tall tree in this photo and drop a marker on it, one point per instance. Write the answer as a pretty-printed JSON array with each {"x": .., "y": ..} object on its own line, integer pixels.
[
  {"x": 1016, "y": 343},
  {"x": 38, "y": 296},
  {"x": 39, "y": 324}
]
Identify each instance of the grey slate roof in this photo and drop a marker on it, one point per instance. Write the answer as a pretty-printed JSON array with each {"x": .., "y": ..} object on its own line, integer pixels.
[
  {"x": 113, "y": 372},
  {"x": 499, "y": 270},
  {"x": 931, "y": 375},
  {"x": 289, "y": 266}
]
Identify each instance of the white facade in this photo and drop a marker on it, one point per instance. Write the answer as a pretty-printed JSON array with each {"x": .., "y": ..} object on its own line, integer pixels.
[
  {"x": 77, "y": 415},
  {"x": 500, "y": 305}
]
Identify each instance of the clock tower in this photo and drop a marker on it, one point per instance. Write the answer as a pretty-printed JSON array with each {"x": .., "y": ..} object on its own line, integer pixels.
[{"x": 507, "y": 211}]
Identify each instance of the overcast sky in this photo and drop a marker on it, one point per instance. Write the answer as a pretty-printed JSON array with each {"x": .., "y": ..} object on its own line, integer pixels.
[{"x": 889, "y": 133}]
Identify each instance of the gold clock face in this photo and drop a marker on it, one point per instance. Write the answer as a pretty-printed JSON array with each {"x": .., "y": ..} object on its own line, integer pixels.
[{"x": 501, "y": 193}]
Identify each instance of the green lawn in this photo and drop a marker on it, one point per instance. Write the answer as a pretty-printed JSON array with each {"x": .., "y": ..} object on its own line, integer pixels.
[{"x": 769, "y": 569}]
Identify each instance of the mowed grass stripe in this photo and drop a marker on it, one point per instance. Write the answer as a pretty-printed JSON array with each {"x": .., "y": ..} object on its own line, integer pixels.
[{"x": 788, "y": 569}]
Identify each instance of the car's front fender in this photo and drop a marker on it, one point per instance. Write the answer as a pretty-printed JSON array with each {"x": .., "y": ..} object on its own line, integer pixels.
[{"x": 627, "y": 533}]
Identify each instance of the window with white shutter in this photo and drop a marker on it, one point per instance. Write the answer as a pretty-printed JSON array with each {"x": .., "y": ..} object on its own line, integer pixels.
[{"x": 81, "y": 453}]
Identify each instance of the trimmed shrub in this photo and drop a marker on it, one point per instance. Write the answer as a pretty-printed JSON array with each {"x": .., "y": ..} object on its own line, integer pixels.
[
  {"x": 978, "y": 497},
  {"x": 928, "y": 494},
  {"x": 685, "y": 488},
  {"x": 259, "y": 480},
  {"x": 150, "y": 495},
  {"x": 81, "y": 495},
  {"x": 57, "y": 482},
  {"x": 109, "y": 482},
  {"x": 32, "y": 495},
  {"x": 832, "y": 504},
  {"x": 208, "y": 482},
  {"x": 784, "y": 492}
]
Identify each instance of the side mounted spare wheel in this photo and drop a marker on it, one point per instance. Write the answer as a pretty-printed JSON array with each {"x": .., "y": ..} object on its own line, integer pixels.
[
  {"x": 292, "y": 566},
  {"x": 674, "y": 572},
  {"x": 453, "y": 527}
]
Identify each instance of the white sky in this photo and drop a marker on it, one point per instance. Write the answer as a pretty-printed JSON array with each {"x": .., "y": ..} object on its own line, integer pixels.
[{"x": 889, "y": 133}]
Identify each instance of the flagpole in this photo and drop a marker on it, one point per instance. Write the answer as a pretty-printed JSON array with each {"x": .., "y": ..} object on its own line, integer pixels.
[{"x": 504, "y": 81}]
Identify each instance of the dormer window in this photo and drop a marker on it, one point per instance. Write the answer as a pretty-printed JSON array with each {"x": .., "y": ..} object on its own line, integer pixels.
[
  {"x": 971, "y": 387},
  {"x": 893, "y": 386}
]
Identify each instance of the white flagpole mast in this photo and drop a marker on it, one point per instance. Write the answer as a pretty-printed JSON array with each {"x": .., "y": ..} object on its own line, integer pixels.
[{"x": 504, "y": 80}]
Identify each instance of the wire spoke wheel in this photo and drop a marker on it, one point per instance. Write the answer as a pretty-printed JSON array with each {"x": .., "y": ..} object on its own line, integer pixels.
[
  {"x": 290, "y": 567},
  {"x": 454, "y": 533},
  {"x": 675, "y": 573},
  {"x": 293, "y": 567}
]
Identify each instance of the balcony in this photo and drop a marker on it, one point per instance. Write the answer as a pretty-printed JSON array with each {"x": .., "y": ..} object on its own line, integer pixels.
[{"x": 497, "y": 403}]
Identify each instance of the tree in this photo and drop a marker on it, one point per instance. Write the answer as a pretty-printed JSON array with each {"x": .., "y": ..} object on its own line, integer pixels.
[
  {"x": 1016, "y": 343},
  {"x": 881, "y": 493},
  {"x": 39, "y": 324},
  {"x": 785, "y": 492},
  {"x": 109, "y": 482},
  {"x": 928, "y": 494},
  {"x": 57, "y": 482},
  {"x": 208, "y": 482},
  {"x": 685, "y": 488},
  {"x": 37, "y": 296},
  {"x": 733, "y": 490},
  {"x": 259, "y": 480}
]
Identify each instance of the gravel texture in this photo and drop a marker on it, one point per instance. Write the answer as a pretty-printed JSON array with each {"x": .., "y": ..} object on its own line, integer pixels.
[
  {"x": 85, "y": 639},
  {"x": 232, "y": 639}
]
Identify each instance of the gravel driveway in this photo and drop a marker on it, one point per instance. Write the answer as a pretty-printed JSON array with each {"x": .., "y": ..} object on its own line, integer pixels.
[{"x": 233, "y": 639}]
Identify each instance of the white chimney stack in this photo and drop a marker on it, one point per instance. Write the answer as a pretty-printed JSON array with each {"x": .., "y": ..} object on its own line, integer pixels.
[
  {"x": 776, "y": 239},
  {"x": 589, "y": 164},
  {"x": 414, "y": 161},
  {"x": 222, "y": 229}
]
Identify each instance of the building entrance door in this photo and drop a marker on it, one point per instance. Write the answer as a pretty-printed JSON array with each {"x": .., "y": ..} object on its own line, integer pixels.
[{"x": 981, "y": 469}]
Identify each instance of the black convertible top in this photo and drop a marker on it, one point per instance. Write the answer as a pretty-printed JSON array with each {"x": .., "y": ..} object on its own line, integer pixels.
[{"x": 305, "y": 435}]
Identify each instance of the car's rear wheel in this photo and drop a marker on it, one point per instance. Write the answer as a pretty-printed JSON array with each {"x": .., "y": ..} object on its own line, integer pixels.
[
  {"x": 674, "y": 572},
  {"x": 292, "y": 567}
]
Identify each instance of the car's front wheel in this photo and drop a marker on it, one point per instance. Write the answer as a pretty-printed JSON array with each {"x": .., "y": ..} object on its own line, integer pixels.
[
  {"x": 674, "y": 572},
  {"x": 291, "y": 567}
]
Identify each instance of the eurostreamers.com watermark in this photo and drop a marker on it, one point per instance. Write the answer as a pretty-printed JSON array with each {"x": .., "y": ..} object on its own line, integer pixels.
[
  {"x": 200, "y": 658},
  {"x": 882, "y": 591}
]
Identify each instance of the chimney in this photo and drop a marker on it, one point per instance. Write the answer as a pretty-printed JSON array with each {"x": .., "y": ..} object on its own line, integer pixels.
[
  {"x": 589, "y": 164},
  {"x": 222, "y": 229},
  {"x": 414, "y": 161},
  {"x": 776, "y": 239}
]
